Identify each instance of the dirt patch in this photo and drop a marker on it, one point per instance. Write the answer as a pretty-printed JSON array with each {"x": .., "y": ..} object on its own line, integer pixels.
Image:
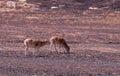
[{"x": 94, "y": 44}]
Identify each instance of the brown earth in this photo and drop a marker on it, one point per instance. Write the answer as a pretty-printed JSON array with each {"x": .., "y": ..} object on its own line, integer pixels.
[{"x": 94, "y": 41}]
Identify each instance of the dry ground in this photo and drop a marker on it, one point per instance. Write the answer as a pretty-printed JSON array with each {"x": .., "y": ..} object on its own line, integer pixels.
[{"x": 94, "y": 41}]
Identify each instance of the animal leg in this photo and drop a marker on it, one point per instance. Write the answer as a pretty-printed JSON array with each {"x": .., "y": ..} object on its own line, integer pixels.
[
  {"x": 51, "y": 46},
  {"x": 34, "y": 51},
  {"x": 26, "y": 49},
  {"x": 55, "y": 47},
  {"x": 37, "y": 51}
]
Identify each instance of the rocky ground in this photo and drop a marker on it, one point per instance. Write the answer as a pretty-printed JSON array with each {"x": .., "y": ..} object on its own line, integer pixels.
[{"x": 94, "y": 40}]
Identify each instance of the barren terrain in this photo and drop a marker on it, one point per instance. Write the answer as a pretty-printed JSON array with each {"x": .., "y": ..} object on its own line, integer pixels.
[{"x": 94, "y": 41}]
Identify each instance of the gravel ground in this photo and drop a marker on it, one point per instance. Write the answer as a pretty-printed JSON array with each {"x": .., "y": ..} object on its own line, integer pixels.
[{"x": 94, "y": 44}]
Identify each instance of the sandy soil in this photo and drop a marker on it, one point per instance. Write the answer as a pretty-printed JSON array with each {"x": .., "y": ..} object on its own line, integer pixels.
[{"x": 93, "y": 39}]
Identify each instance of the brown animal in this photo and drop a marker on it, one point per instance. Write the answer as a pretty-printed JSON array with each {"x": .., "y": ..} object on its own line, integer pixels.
[
  {"x": 60, "y": 42},
  {"x": 33, "y": 43}
]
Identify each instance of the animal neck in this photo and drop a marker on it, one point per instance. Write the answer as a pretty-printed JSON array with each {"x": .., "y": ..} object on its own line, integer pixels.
[
  {"x": 67, "y": 47},
  {"x": 65, "y": 44}
]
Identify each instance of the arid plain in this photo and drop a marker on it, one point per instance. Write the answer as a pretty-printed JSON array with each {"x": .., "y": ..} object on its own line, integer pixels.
[{"x": 94, "y": 40}]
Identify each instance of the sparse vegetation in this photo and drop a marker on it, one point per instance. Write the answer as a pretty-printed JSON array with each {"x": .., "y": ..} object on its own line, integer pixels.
[{"x": 93, "y": 37}]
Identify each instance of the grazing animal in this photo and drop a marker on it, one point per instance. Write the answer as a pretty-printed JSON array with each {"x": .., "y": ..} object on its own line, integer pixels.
[
  {"x": 60, "y": 42},
  {"x": 33, "y": 43}
]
